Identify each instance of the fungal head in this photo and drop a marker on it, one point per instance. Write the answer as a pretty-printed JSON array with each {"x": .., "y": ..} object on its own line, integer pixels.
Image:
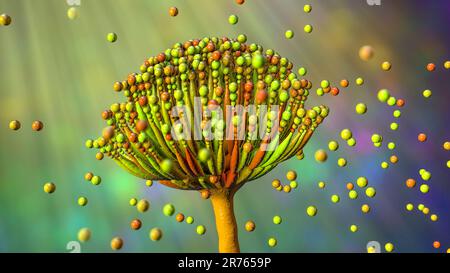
[{"x": 209, "y": 113}]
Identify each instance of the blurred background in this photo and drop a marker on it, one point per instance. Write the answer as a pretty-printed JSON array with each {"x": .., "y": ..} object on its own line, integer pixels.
[{"x": 61, "y": 72}]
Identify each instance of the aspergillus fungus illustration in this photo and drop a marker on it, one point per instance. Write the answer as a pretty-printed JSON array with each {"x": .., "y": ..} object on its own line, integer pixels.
[{"x": 210, "y": 115}]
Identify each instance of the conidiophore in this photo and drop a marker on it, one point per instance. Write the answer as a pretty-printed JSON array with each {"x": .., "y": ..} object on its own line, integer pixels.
[{"x": 210, "y": 115}]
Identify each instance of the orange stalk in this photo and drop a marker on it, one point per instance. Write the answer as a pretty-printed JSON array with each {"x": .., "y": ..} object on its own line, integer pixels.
[{"x": 222, "y": 202}]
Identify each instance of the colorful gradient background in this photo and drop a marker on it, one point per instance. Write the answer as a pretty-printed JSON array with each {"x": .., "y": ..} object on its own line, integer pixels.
[{"x": 61, "y": 72}]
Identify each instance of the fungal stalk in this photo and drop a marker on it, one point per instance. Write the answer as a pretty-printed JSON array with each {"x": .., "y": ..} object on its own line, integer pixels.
[{"x": 210, "y": 115}]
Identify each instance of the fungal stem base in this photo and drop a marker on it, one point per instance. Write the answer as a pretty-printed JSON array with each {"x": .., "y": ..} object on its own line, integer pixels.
[{"x": 222, "y": 202}]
